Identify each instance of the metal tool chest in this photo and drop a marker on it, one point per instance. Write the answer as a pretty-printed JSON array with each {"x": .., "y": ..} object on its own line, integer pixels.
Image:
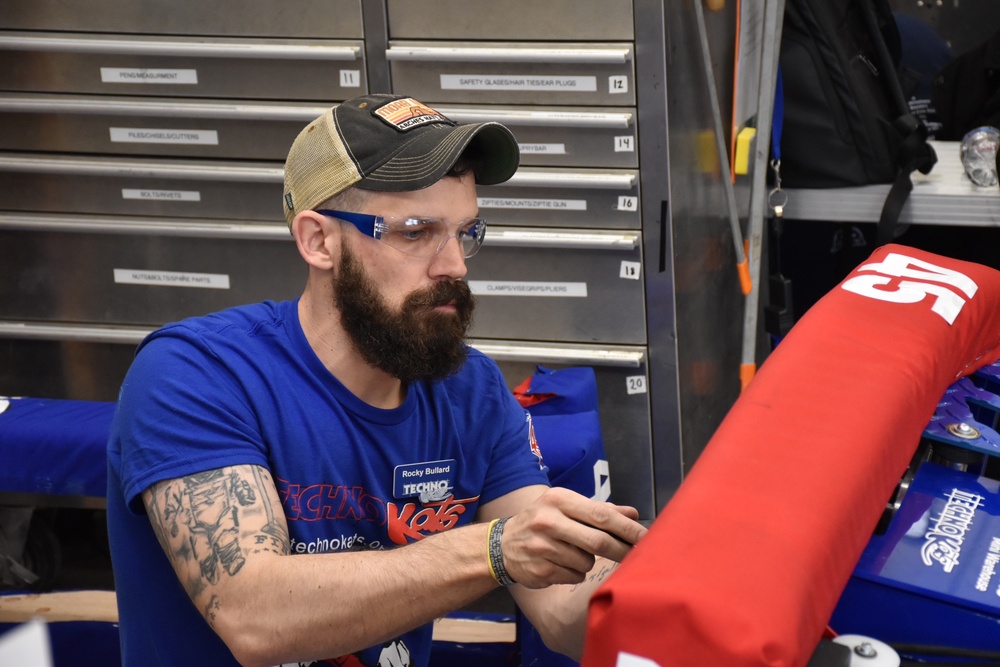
[{"x": 141, "y": 170}]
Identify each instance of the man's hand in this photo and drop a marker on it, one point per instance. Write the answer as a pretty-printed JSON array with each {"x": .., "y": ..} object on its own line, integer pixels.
[{"x": 555, "y": 539}]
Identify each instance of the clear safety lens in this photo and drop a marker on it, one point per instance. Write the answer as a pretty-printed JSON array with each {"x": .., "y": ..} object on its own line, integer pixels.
[{"x": 424, "y": 238}]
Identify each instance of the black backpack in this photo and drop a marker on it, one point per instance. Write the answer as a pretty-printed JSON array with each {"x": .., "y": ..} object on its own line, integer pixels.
[
  {"x": 845, "y": 120},
  {"x": 966, "y": 92}
]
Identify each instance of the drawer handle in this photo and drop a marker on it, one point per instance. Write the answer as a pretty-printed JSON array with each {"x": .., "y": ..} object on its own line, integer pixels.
[
  {"x": 509, "y": 237},
  {"x": 557, "y": 179},
  {"x": 74, "y": 332},
  {"x": 108, "y": 106},
  {"x": 296, "y": 112},
  {"x": 477, "y": 54},
  {"x": 505, "y": 237},
  {"x": 178, "y": 48},
  {"x": 83, "y": 224},
  {"x": 500, "y": 351},
  {"x": 261, "y": 173},
  {"x": 142, "y": 169},
  {"x": 591, "y": 356},
  {"x": 572, "y": 119}
]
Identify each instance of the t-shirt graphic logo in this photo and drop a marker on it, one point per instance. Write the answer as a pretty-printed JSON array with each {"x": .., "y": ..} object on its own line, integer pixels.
[
  {"x": 428, "y": 481},
  {"x": 411, "y": 522},
  {"x": 533, "y": 441}
]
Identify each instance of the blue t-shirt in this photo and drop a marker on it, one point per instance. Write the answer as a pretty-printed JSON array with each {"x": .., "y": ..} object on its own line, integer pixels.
[{"x": 243, "y": 386}]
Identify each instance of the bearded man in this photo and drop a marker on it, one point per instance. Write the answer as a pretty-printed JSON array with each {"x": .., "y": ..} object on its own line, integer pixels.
[{"x": 319, "y": 479}]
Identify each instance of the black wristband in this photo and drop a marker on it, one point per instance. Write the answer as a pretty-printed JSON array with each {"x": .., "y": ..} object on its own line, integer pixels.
[{"x": 495, "y": 554}]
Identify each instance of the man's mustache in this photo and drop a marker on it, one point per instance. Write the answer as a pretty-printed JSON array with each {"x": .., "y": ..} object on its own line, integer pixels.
[{"x": 442, "y": 294}]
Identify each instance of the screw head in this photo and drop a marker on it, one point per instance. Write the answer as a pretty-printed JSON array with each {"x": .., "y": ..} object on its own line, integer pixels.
[
  {"x": 964, "y": 431},
  {"x": 865, "y": 650}
]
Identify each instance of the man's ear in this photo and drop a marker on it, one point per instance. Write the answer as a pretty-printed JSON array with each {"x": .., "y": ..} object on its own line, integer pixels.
[{"x": 317, "y": 238}]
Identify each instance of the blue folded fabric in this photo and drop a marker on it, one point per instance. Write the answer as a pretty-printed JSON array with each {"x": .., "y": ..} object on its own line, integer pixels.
[{"x": 54, "y": 446}]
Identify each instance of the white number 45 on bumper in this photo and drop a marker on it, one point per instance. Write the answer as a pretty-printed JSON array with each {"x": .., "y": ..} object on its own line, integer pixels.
[{"x": 920, "y": 279}]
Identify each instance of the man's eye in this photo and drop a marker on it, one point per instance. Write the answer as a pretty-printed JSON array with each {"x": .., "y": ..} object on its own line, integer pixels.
[
  {"x": 415, "y": 233},
  {"x": 416, "y": 230}
]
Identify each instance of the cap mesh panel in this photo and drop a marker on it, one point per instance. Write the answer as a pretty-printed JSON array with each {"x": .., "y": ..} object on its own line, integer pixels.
[{"x": 318, "y": 167}]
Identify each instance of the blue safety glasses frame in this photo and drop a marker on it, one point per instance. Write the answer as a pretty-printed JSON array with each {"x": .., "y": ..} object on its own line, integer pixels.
[{"x": 420, "y": 237}]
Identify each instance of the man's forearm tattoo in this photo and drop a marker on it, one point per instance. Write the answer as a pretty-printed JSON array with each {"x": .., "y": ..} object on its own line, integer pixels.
[
  {"x": 273, "y": 536},
  {"x": 598, "y": 574}
]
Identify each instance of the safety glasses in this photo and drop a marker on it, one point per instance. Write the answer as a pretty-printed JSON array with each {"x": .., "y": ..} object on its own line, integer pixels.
[{"x": 420, "y": 237}]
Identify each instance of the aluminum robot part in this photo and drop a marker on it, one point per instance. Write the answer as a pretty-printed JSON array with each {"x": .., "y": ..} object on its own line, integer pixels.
[{"x": 868, "y": 652}]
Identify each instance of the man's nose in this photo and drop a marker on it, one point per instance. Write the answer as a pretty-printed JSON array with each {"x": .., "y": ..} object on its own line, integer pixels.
[{"x": 450, "y": 259}]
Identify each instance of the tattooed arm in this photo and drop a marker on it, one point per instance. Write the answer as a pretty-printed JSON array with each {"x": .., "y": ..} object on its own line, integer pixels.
[
  {"x": 559, "y": 613},
  {"x": 226, "y": 536}
]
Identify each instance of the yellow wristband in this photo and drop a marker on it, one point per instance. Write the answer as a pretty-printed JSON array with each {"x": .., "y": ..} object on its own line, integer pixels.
[{"x": 494, "y": 554}]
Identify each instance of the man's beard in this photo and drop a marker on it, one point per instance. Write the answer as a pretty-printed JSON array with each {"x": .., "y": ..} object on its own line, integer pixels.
[{"x": 415, "y": 343}]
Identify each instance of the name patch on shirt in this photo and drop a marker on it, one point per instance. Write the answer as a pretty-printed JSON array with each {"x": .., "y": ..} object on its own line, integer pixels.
[{"x": 429, "y": 481}]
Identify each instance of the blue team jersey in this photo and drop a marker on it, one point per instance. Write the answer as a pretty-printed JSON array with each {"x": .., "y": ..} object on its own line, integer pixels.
[{"x": 243, "y": 386}]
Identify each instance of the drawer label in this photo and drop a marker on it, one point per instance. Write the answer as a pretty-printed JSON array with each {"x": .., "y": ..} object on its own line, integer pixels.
[
  {"x": 136, "y": 135},
  {"x": 567, "y": 84},
  {"x": 635, "y": 384},
  {"x": 628, "y": 204},
  {"x": 625, "y": 144},
  {"x": 171, "y": 278},
  {"x": 617, "y": 85},
  {"x": 350, "y": 78},
  {"x": 161, "y": 195},
  {"x": 520, "y": 288},
  {"x": 551, "y": 204},
  {"x": 630, "y": 270},
  {"x": 543, "y": 149},
  {"x": 163, "y": 76}
]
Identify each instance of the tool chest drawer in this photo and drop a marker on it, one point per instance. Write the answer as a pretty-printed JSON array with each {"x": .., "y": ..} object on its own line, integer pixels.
[
  {"x": 182, "y": 66},
  {"x": 164, "y": 187},
  {"x": 512, "y": 19},
  {"x": 274, "y": 18},
  {"x": 577, "y": 286},
  {"x": 563, "y": 136},
  {"x": 114, "y": 271},
  {"x": 559, "y": 285},
  {"x": 252, "y": 190},
  {"x": 261, "y": 130},
  {"x": 252, "y": 130},
  {"x": 623, "y": 406},
  {"x": 589, "y": 198},
  {"x": 89, "y": 363},
  {"x": 514, "y": 73}
]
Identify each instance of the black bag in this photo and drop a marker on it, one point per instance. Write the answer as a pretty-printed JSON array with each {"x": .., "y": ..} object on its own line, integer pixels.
[
  {"x": 845, "y": 120},
  {"x": 967, "y": 91}
]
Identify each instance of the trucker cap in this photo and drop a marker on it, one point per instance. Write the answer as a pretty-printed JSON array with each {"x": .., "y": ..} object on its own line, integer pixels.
[{"x": 388, "y": 143}]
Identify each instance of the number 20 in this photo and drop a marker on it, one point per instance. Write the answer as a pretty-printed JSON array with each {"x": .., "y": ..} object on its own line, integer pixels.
[{"x": 926, "y": 277}]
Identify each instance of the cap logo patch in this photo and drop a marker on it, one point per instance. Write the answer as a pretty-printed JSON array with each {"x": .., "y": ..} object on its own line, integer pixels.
[{"x": 408, "y": 113}]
